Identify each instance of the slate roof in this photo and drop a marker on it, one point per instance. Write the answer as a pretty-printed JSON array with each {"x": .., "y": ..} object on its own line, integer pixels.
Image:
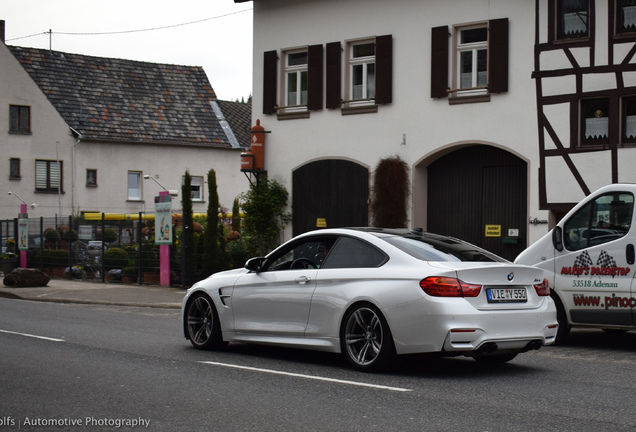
[
  {"x": 239, "y": 116},
  {"x": 129, "y": 101}
]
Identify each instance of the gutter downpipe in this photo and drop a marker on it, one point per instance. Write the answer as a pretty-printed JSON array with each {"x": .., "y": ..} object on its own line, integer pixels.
[{"x": 79, "y": 137}]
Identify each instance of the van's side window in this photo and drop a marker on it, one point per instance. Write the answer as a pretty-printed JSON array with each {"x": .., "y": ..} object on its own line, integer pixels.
[{"x": 607, "y": 218}]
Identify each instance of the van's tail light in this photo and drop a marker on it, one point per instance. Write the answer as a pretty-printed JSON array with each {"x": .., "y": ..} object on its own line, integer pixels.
[
  {"x": 543, "y": 289},
  {"x": 438, "y": 286}
]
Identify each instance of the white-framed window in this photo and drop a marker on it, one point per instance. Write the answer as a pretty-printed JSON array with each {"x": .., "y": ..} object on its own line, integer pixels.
[
  {"x": 196, "y": 187},
  {"x": 362, "y": 70},
  {"x": 48, "y": 176},
  {"x": 296, "y": 66},
  {"x": 472, "y": 58},
  {"x": 134, "y": 185}
]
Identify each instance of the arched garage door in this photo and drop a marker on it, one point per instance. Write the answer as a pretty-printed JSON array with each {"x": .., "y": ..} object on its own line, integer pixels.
[
  {"x": 477, "y": 186},
  {"x": 333, "y": 190}
]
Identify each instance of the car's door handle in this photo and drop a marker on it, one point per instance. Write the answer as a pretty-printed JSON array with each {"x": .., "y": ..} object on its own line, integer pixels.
[
  {"x": 303, "y": 280},
  {"x": 630, "y": 255}
]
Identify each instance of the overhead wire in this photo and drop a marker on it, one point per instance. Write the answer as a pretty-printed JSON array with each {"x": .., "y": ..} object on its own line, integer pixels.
[{"x": 50, "y": 32}]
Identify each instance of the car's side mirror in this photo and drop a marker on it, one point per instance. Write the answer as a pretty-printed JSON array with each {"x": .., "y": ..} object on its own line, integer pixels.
[
  {"x": 557, "y": 238},
  {"x": 255, "y": 264}
]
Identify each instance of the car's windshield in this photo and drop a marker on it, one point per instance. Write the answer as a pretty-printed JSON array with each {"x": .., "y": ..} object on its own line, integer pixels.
[{"x": 439, "y": 248}]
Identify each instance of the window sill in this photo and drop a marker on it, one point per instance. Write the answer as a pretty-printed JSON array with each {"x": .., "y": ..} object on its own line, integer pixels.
[
  {"x": 14, "y": 132},
  {"x": 457, "y": 100},
  {"x": 292, "y": 115},
  {"x": 51, "y": 192},
  {"x": 135, "y": 200},
  {"x": 359, "y": 109},
  {"x": 15, "y": 178},
  {"x": 91, "y": 185}
]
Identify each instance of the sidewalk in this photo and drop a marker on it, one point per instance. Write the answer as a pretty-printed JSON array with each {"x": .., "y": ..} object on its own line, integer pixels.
[{"x": 75, "y": 291}]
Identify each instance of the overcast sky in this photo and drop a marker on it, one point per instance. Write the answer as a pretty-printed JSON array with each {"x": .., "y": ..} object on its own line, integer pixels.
[{"x": 214, "y": 34}]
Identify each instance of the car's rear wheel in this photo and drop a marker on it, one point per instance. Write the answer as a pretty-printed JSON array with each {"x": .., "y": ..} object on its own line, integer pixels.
[
  {"x": 202, "y": 323},
  {"x": 366, "y": 338}
]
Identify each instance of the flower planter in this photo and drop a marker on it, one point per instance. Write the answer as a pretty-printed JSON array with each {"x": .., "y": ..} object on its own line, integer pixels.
[
  {"x": 129, "y": 279},
  {"x": 152, "y": 277},
  {"x": 8, "y": 265},
  {"x": 58, "y": 272}
]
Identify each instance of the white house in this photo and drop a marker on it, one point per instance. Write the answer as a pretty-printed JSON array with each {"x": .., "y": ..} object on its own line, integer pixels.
[
  {"x": 120, "y": 130},
  {"x": 481, "y": 98}
]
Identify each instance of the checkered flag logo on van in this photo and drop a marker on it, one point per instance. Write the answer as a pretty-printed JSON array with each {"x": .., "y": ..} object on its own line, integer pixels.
[
  {"x": 583, "y": 260},
  {"x": 605, "y": 260}
]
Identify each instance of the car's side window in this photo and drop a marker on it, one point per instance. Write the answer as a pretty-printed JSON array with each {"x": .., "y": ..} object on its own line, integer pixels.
[
  {"x": 607, "y": 218},
  {"x": 349, "y": 252},
  {"x": 306, "y": 254}
]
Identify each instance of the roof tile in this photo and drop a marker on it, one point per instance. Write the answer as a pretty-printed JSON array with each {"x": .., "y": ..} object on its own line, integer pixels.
[{"x": 125, "y": 100}]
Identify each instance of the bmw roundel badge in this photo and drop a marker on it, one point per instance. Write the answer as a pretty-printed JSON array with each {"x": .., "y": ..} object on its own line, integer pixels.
[{"x": 511, "y": 276}]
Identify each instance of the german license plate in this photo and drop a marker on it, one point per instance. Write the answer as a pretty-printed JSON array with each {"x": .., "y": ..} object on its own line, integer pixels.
[{"x": 506, "y": 295}]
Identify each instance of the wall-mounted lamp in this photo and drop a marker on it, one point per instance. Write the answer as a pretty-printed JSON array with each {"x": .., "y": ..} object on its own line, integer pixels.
[
  {"x": 17, "y": 196},
  {"x": 171, "y": 191}
]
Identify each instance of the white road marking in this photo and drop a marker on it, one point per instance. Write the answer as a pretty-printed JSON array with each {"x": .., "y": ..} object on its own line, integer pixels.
[
  {"x": 33, "y": 336},
  {"x": 381, "y": 387}
]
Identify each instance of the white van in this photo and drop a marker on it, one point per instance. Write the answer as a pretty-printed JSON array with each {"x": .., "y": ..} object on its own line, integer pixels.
[{"x": 589, "y": 257}]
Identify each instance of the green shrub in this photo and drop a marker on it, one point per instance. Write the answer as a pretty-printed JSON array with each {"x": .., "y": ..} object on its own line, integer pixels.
[
  {"x": 115, "y": 258},
  {"x": 51, "y": 257},
  {"x": 390, "y": 193},
  {"x": 110, "y": 235},
  {"x": 238, "y": 252},
  {"x": 51, "y": 235},
  {"x": 129, "y": 271},
  {"x": 68, "y": 235}
]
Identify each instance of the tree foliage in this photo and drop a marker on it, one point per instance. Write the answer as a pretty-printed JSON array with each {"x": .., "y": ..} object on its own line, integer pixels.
[
  {"x": 390, "y": 193},
  {"x": 211, "y": 245},
  {"x": 265, "y": 217},
  {"x": 188, "y": 222}
]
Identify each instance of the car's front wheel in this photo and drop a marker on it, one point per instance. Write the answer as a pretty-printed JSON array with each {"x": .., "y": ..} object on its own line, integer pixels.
[
  {"x": 202, "y": 323},
  {"x": 366, "y": 338}
]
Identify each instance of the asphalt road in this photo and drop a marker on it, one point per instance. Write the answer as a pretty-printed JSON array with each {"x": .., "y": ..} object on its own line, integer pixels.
[{"x": 86, "y": 367}]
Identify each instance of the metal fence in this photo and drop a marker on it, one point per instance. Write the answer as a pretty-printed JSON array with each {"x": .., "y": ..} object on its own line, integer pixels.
[{"x": 106, "y": 250}]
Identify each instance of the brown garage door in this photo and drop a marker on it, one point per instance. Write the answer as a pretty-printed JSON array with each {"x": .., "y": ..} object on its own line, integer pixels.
[
  {"x": 475, "y": 187},
  {"x": 335, "y": 191}
]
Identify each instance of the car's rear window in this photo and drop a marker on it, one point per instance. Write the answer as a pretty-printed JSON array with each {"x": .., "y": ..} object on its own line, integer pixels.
[{"x": 434, "y": 248}]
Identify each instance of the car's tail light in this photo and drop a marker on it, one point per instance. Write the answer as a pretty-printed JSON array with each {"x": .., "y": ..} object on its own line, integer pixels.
[
  {"x": 438, "y": 286},
  {"x": 543, "y": 289}
]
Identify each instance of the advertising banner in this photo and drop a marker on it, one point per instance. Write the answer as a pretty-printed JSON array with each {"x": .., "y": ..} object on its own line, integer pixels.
[
  {"x": 23, "y": 233},
  {"x": 163, "y": 220}
]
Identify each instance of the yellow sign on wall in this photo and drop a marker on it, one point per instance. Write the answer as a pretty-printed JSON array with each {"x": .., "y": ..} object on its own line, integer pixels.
[
  {"x": 493, "y": 230},
  {"x": 321, "y": 223}
]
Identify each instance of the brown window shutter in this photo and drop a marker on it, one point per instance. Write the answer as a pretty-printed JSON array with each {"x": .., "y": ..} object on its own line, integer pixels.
[
  {"x": 439, "y": 62},
  {"x": 270, "y": 79},
  {"x": 314, "y": 77},
  {"x": 334, "y": 75},
  {"x": 498, "y": 56},
  {"x": 383, "y": 69}
]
